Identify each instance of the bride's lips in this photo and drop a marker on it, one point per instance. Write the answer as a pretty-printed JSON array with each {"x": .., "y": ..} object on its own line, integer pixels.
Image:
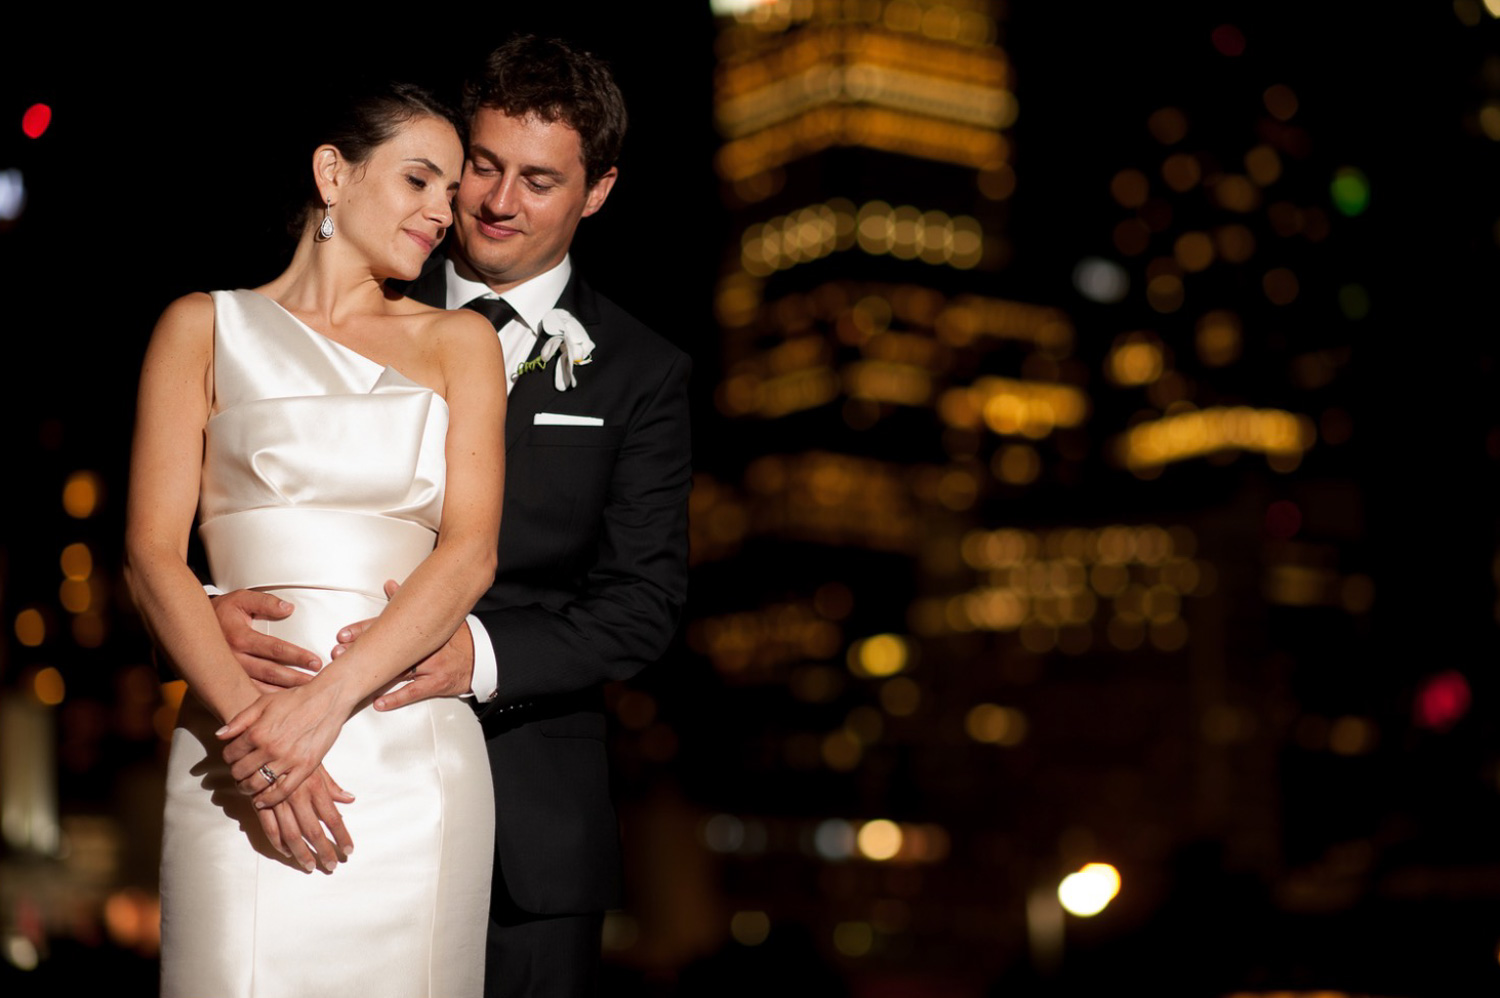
[{"x": 426, "y": 242}]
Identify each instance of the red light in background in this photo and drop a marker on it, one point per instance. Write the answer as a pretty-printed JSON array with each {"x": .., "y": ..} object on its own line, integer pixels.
[
  {"x": 1283, "y": 520},
  {"x": 1228, "y": 39},
  {"x": 1442, "y": 700},
  {"x": 36, "y": 119}
]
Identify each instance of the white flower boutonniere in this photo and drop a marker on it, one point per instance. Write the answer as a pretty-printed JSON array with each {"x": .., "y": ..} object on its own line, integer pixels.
[{"x": 569, "y": 342}]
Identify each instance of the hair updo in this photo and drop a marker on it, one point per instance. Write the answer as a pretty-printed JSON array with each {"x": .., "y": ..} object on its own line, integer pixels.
[{"x": 363, "y": 124}]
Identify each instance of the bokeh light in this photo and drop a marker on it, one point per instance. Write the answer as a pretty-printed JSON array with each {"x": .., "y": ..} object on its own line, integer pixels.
[
  {"x": 35, "y": 120},
  {"x": 1090, "y": 890},
  {"x": 750, "y": 928},
  {"x": 81, "y": 494},
  {"x": 879, "y": 840},
  {"x": 1350, "y": 191},
  {"x": 1442, "y": 700}
]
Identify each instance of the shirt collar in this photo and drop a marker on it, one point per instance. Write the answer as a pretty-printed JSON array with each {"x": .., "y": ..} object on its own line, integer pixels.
[{"x": 531, "y": 299}]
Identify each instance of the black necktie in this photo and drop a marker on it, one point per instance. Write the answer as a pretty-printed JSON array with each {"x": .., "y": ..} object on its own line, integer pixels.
[{"x": 497, "y": 310}]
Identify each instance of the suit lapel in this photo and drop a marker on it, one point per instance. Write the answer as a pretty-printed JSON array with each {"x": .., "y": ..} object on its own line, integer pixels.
[
  {"x": 534, "y": 388},
  {"x": 526, "y": 398}
]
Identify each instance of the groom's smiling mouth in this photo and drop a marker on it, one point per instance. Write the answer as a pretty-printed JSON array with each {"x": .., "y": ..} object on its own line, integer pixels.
[{"x": 496, "y": 230}]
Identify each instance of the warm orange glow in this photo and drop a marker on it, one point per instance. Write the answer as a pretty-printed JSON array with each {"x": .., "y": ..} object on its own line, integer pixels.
[
  {"x": 81, "y": 494},
  {"x": 31, "y": 628},
  {"x": 880, "y": 655},
  {"x": 77, "y": 561},
  {"x": 1199, "y": 432},
  {"x": 48, "y": 687}
]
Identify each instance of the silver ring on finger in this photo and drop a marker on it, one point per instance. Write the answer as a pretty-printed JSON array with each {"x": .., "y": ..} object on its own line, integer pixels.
[{"x": 269, "y": 774}]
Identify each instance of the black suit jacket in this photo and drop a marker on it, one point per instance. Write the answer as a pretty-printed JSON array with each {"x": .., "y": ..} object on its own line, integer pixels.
[{"x": 591, "y": 581}]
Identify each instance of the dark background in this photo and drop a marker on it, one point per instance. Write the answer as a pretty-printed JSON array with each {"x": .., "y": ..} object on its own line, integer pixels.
[{"x": 163, "y": 172}]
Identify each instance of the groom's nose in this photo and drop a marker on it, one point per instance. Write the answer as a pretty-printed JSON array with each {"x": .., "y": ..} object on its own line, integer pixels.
[{"x": 500, "y": 199}]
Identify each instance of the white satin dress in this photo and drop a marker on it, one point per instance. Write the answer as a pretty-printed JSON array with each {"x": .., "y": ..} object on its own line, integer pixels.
[{"x": 323, "y": 476}]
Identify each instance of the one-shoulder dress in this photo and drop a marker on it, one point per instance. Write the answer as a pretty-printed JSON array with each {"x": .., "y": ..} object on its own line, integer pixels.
[{"x": 323, "y": 476}]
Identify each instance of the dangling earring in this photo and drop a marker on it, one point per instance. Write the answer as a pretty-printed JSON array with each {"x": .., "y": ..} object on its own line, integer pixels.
[{"x": 325, "y": 228}]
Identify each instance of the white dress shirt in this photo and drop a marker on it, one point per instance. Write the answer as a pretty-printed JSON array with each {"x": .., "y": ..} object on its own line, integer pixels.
[{"x": 531, "y": 300}]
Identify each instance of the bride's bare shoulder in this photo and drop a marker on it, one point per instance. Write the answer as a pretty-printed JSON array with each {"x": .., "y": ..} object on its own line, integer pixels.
[
  {"x": 187, "y": 321},
  {"x": 462, "y": 330}
]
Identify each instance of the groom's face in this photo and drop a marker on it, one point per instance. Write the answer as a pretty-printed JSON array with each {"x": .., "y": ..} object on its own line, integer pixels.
[{"x": 523, "y": 193}]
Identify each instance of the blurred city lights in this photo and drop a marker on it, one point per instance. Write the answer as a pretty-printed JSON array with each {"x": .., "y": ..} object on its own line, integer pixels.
[
  {"x": 750, "y": 928},
  {"x": 1350, "y": 191},
  {"x": 1228, "y": 40},
  {"x": 1280, "y": 101},
  {"x": 900, "y": 697},
  {"x": 48, "y": 686},
  {"x": 995, "y": 725},
  {"x": 879, "y": 840},
  {"x": 737, "y": 8},
  {"x": 77, "y": 561},
  {"x": 21, "y": 952},
  {"x": 1101, "y": 280},
  {"x": 853, "y": 938},
  {"x": 1136, "y": 359},
  {"x": 724, "y": 833},
  {"x": 1351, "y": 736},
  {"x": 1354, "y": 301},
  {"x": 1130, "y": 188},
  {"x": 1283, "y": 520},
  {"x": 81, "y": 492},
  {"x": 12, "y": 195},
  {"x": 1196, "y": 433},
  {"x": 1087, "y": 892},
  {"x": 1442, "y": 700},
  {"x": 879, "y": 655},
  {"x": 31, "y": 627},
  {"x": 1280, "y": 286},
  {"x": 1217, "y": 338},
  {"x": 1168, "y": 125},
  {"x": 35, "y": 120},
  {"x": 834, "y": 839}
]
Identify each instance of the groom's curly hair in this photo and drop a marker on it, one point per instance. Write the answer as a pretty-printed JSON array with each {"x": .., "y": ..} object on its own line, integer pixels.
[{"x": 556, "y": 82}]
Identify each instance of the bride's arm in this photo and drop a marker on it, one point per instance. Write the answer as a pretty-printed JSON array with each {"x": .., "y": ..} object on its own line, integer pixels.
[
  {"x": 165, "y": 467},
  {"x": 290, "y": 730}
]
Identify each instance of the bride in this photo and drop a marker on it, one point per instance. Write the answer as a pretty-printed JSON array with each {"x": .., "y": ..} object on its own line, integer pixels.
[{"x": 330, "y": 434}]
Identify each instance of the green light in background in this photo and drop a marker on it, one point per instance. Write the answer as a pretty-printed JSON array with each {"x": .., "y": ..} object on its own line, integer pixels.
[
  {"x": 1354, "y": 301},
  {"x": 1350, "y": 190}
]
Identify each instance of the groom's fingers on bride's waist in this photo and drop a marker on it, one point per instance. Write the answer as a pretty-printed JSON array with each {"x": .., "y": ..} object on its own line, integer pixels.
[
  {"x": 271, "y": 676},
  {"x": 348, "y": 635},
  {"x": 250, "y": 645}
]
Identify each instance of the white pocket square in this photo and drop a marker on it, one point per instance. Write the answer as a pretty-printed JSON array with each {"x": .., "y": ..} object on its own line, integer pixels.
[{"x": 563, "y": 419}]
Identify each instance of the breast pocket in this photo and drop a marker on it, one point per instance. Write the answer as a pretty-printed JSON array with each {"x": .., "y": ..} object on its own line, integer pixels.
[{"x": 557, "y": 478}]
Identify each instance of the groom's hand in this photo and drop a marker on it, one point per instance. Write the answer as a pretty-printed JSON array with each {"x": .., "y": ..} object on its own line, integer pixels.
[
  {"x": 447, "y": 672},
  {"x": 265, "y": 659}
]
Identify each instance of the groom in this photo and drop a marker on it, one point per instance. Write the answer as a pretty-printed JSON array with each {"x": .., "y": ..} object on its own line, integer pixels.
[{"x": 593, "y": 542}]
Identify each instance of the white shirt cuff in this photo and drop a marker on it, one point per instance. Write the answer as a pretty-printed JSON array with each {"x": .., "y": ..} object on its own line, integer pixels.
[
  {"x": 486, "y": 682},
  {"x": 212, "y": 590}
]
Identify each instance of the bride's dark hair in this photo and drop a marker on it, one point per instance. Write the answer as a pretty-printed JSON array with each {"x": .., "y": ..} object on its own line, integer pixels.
[{"x": 365, "y": 122}]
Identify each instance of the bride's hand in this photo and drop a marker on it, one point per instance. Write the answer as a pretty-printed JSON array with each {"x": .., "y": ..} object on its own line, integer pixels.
[
  {"x": 296, "y": 826},
  {"x": 279, "y": 741}
]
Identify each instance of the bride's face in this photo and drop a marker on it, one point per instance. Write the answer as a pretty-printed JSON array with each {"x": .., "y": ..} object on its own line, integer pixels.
[{"x": 397, "y": 205}]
